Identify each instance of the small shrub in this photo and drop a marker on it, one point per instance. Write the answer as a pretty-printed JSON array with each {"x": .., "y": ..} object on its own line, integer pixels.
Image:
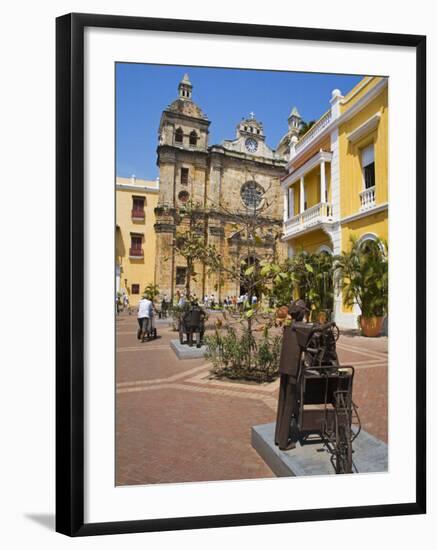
[{"x": 242, "y": 357}]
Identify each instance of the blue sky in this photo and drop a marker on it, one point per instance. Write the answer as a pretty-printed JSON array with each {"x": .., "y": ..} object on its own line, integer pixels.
[{"x": 225, "y": 95}]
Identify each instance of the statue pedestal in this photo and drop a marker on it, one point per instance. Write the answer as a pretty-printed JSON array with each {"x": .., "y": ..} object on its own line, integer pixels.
[
  {"x": 183, "y": 351},
  {"x": 312, "y": 458}
]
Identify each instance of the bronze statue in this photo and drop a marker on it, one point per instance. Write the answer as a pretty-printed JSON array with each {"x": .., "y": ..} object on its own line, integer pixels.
[
  {"x": 289, "y": 363},
  {"x": 315, "y": 392},
  {"x": 192, "y": 324}
]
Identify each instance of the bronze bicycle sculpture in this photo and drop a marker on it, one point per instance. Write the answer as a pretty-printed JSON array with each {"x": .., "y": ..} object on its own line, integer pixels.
[{"x": 315, "y": 395}]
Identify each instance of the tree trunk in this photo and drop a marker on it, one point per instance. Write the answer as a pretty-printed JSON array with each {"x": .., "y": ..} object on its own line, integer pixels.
[{"x": 188, "y": 284}]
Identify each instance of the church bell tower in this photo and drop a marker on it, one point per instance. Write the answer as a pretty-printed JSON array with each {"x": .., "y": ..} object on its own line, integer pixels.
[{"x": 182, "y": 161}]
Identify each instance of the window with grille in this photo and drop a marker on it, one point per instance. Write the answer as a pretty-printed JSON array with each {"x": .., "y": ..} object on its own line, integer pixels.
[
  {"x": 252, "y": 194},
  {"x": 184, "y": 176},
  {"x": 138, "y": 207},
  {"x": 135, "y": 288},
  {"x": 181, "y": 275},
  {"x": 136, "y": 246},
  {"x": 136, "y": 242}
]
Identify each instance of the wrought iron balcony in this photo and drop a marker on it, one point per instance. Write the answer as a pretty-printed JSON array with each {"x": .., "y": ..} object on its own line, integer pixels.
[{"x": 317, "y": 215}]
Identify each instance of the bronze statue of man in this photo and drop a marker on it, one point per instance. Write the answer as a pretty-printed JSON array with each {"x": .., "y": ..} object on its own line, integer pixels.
[{"x": 289, "y": 363}]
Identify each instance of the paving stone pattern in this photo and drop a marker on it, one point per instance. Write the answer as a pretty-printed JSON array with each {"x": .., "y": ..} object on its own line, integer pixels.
[{"x": 175, "y": 424}]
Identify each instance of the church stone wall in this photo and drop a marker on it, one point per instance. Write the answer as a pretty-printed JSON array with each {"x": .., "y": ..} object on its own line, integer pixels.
[{"x": 214, "y": 180}]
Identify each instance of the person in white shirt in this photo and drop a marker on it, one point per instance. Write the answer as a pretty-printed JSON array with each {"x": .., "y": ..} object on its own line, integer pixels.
[
  {"x": 145, "y": 314},
  {"x": 181, "y": 300}
]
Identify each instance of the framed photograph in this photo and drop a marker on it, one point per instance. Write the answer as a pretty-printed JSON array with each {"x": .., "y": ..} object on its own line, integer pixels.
[{"x": 240, "y": 274}]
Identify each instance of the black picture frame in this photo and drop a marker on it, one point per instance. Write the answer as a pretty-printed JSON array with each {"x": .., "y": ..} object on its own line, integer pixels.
[{"x": 70, "y": 273}]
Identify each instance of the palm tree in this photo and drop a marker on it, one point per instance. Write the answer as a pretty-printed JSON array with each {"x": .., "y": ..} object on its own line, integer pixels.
[
  {"x": 313, "y": 277},
  {"x": 305, "y": 126},
  {"x": 362, "y": 276},
  {"x": 151, "y": 291}
]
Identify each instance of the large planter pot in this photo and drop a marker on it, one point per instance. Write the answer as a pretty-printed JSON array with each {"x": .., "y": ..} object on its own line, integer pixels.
[{"x": 371, "y": 326}]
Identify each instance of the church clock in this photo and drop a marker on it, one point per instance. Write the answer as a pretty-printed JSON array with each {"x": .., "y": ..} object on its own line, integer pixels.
[{"x": 251, "y": 145}]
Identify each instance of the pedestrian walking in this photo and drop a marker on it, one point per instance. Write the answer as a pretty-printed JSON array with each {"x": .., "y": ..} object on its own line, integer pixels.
[
  {"x": 126, "y": 303},
  {"x": 164, "y": 307},
  {"x": 145, "y": 314}
]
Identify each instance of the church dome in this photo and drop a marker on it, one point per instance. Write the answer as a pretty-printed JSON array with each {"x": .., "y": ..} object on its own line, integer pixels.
[{"x": 186, "y": 107}]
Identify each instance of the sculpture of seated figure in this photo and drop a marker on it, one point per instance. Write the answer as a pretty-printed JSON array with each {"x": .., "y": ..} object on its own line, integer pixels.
[{"x": 192, "y": 323}]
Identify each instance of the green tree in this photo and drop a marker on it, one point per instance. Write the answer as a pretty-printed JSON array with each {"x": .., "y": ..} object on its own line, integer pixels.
[
  {"x": 308, "y": 276},
  {"x": 253, "y": 228},
  {"x": 305, "y": 126},
  {"x": 151, "y": 291},
  {"x": 190, "y": 241}
]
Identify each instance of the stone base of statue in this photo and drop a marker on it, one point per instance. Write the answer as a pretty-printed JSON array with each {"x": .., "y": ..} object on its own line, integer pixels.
[
  {"x": 312, "y": 458},
  {"x": 184, "y": 351}
]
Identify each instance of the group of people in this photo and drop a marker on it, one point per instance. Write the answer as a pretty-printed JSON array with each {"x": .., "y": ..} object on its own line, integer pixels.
[
  {"x": 182, "y": 299},
  {"x": 147, "y": 310},
  {"x": 244, "y": 300},
  {"x": 210, "y": 302},
  {"x": 121, "y": 302}
]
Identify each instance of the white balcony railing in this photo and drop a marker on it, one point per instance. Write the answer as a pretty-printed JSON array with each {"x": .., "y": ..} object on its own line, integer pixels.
[
  {"x": 367, "y": 199},
  {"x": 314, "y": 131},
  {"x": 317, "y": 214}
]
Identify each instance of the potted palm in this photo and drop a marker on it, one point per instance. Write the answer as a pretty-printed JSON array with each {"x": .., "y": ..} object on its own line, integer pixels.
[
  {"x": 313, "y": 277},
  {"x": 362, "y": 276},
  {"x": 321, "y": 293}
]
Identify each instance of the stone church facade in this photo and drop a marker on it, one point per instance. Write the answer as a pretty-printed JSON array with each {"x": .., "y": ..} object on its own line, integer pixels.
[{"x": 234, "y": 176}]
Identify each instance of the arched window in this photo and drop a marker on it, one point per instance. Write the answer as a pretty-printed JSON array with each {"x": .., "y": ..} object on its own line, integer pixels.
[
  {"x": 324, "y": 248},
  {"x": 252, "y": 194},
  {"x": 368, "y": 241},
  {"x": 179, "y": 135},
  {"x": 193, "y": 138}
]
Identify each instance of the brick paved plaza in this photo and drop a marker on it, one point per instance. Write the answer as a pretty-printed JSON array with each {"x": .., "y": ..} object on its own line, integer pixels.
[{"x": 175, "y": 424}]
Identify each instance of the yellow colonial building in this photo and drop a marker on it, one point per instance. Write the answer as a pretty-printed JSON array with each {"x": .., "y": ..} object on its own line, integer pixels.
[
  {"x": 337, "y": 178},
  {"x": 135, "y": 237}
]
